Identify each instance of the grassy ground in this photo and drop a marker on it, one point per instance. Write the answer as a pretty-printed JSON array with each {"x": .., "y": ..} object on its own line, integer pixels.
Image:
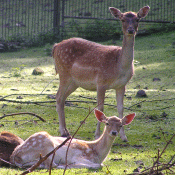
[{"x": 154, "y": 58}]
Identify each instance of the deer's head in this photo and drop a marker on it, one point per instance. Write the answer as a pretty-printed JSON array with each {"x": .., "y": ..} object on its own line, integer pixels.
[
  {"x": 113, "y": 124},
  {"x": 130, "y": 20}
]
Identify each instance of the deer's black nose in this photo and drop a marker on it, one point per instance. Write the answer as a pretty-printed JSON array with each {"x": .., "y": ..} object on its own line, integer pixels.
[
  {"x": 114, "y": 133},
  {"x": 131, "y": 31}
]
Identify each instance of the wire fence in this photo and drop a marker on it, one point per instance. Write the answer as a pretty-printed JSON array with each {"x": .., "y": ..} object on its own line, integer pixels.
[
  {"x": 25, "y": 18},
  {"x": 161, "y": 10},
  {"x": 32, "y": 17}
]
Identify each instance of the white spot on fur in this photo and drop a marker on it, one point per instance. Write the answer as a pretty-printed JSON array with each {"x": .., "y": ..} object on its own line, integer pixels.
[
  {"x": 88, "y": 150},
  {"x": 34, "y": 143},
  {"x": 40, "y": 136}
]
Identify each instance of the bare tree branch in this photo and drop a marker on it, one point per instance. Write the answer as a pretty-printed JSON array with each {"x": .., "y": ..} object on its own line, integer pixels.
[
  {"x": 44, "y": 158},
  {"x": 90, "y": 111},
  {"x": 7, "y": 162},
  {"x": 82, "y": 101},
  {"x": 23, "y": 113},
  {"x": 157, "y": 165},
  {"x": 150, "y": 101}
]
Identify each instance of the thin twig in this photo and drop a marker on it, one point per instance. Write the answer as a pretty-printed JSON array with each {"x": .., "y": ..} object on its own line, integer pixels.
[
  {"x": 27, "y": 102},
  {"x": 26, "y": 122},
  {"x": 46, "y": 86},
  {"x": 81, "y": 101},
  {"x": 44, "y": 158},
  {"x": 7, "y": 162},
  {"x": 21, "y": 95},
  {"x": 150, "y": 101},
  {"x": 50, "y": 168},
  {"x": 90, "y": 111},
  {"x": 151, "y": 169},
  {"x": 23, "y": 113},
  {"x": 159, "y": 167}
]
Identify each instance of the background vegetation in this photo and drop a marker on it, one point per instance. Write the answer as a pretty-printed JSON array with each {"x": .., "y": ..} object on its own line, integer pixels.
[{"x": 30, "y": 23}]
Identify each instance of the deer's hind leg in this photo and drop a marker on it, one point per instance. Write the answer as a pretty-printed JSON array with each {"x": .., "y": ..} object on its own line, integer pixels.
[{"x": 66, "y": 87}]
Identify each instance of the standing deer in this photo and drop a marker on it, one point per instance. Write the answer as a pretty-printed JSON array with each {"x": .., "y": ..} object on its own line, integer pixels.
[
  {"x": 96, "y": 67},
  {"x": 88, "y": 154}
]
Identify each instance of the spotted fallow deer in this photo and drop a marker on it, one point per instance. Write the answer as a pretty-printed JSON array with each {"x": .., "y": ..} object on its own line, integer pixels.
[
  {"x": 96, "y": 67},
  {"x": 88, "y": 154},
  {"x": 8, "y": 142}
]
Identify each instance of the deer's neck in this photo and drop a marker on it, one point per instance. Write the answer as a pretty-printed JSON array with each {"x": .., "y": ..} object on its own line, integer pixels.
[
  {"x": 103, "y": 145},
  {"x": 127, "y": 51}
]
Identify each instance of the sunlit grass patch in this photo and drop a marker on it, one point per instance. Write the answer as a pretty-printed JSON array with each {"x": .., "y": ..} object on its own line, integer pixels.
[{"x": 152, "y": 127}]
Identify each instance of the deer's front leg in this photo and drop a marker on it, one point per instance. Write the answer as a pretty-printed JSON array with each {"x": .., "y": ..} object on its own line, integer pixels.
[
  {"x": 100, "y": 102},
  {"x": 120, "y": 96}
]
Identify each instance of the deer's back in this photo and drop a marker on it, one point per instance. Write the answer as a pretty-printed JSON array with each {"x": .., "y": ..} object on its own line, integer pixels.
[{"x": 84, "y": 53}]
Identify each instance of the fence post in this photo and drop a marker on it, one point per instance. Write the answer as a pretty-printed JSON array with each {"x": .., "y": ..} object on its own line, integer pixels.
[
  {"x": 56, "y": 17},
  {"x": 62, "y": 19}
]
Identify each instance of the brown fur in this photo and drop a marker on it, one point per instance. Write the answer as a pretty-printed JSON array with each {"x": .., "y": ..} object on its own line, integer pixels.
[
  {"x": 89, "y": 154},
  {"x": 96, "y": 67},
  {"x": 8, "y": 142}
]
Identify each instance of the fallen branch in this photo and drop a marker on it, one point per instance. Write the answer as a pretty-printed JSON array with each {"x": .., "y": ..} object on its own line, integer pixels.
[
  {"x": 7, "y": 162},
  {"x": 20, "y": 95},
  {"x": 82, "y": 101},
  {"x": 23, "y": 113},
  {"x": 54, "y": 101},
  {"x": 27, "y": 102},
  {"x": 157, "y": 165},
  {"x": 150, "y": 101},
  {"x": 159, "y": 155},
  {"x": 157, "y": 109}
]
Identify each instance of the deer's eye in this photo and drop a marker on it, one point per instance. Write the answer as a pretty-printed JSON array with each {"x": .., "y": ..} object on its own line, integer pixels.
[{"x": 123, "y": 20}]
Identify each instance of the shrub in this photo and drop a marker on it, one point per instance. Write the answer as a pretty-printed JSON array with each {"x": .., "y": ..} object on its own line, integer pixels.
[
  {"x": 94, "y": 30},
  {"x": 43, "y": 38},
  {"x": 101, "y": 30},
  {"x": 156, "y": 28},
  {"x": 17, "y": 41}
]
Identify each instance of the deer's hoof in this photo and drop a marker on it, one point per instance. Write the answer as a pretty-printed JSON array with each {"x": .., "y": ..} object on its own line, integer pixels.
[
  {"x": 124, "y": 139},
  {"x": 65, "y": 134}
]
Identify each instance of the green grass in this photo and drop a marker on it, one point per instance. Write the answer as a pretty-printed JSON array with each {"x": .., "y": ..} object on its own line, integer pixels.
[{"x": 154, "y": 58}]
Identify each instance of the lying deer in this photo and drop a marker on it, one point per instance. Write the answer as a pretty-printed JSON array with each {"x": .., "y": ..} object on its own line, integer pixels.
[
  {"x": 8, "y": 142},
  {"x": 96, "y": 67},
  {"x": 88, "y": 154}
]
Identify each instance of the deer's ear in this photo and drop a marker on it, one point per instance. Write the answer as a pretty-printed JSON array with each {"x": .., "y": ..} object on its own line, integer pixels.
[
  {"x": 100, "y": 116},
  {"x": 143, "y": 12},
  {"x": 116, "y": 12},
  {"x": 128, "y": 119}
]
